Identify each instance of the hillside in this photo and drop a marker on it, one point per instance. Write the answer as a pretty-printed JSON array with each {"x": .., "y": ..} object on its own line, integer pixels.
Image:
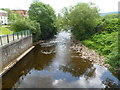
[{"x": 103, "y": 14}]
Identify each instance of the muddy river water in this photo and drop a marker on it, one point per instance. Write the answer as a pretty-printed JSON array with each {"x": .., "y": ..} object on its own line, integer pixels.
[{"x": 53, "y": 64}]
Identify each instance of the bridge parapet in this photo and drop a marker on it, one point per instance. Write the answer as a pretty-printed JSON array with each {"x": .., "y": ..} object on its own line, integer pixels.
[
  {"x": 11, "y": 51},
  {"x": 6, "y": 39}
]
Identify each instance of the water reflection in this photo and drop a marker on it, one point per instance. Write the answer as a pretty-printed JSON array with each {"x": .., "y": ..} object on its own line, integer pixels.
[
  {"x": 59, "y": 79},
  {"x": 62, "y": 49},
  {"x": 34, "y": 60},
  {"x": 53, "y": 64},
  {"x": 78, "y": 67}
]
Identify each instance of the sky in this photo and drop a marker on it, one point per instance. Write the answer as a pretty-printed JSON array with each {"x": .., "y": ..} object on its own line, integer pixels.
[{"x": 103, "y": 5}]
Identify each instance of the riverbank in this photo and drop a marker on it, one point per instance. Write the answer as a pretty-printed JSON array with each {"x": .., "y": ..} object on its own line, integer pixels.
[
  {"x": 85, "y": 52},
  {"x": 53, "y": 64},
  {"x": 89, "y": 54}
]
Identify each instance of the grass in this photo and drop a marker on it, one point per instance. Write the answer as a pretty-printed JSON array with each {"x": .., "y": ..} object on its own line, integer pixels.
[
  {"x": 107, "y": 45},
  {"x": 4, "y": 30}
]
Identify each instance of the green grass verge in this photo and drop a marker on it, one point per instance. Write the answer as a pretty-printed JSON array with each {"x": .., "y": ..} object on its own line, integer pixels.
[{"x": 4, "y": 31}]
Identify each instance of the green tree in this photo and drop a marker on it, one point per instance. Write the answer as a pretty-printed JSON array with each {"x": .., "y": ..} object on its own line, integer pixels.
[
  {"x": 18, "y": 23},
  {"x": 106, "y": 40},
  {"x": 81, "y": 18},
  {"x": 63, "y": 20},
  {"x": 45, "y": 15},
  {"x": 108, "y": 23},
  {"x": 26, "y": 24},
  {"x": 12, "y": 16}
]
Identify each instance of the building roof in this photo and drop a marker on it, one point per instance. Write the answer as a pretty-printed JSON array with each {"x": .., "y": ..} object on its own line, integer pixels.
[
  {"x": 22, "y": 12},
  {"x": 3, "y": 11}
]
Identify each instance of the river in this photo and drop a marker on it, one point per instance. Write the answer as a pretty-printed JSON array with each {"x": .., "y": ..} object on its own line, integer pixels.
[{"x": 53, "y": 64}]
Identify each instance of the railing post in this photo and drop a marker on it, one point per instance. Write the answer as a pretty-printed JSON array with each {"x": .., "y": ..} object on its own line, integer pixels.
[
  {"x": 30, "y": 32},
  {"x": 13, "y": 36},
  {"x": 7, "y": 39},
  {"x": 1, "y": 40},
  {"x": 17, "y": 36},
  {"x": 21, "y": 34},
  {"x": 24, "y": 33},
  {"x": 27, "y": 32}
]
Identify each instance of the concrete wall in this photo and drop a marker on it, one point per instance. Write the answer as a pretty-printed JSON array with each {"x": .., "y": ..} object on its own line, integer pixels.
[{"x": 13, "y": 50}]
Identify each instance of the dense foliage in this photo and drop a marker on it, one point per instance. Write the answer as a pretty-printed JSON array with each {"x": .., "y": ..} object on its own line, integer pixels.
[
  {"x": 18, "y": 23},
  {"x": 99, "y": 33},
  {"x": 106, "y": 40},
  {"x": 108, "y": 23},
  {"x": 11, "y": 15},
  {"x": 26, "y": 24},
  {"x": 45, "y": 16},
  {"x": 81, "y": 19}
]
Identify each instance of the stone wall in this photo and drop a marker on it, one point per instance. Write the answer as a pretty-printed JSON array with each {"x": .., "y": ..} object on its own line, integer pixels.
[{"x": 15, "y": 49}]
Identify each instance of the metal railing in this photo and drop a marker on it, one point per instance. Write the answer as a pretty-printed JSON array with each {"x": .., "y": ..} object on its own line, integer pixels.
[{"x": 5, "y": 39}]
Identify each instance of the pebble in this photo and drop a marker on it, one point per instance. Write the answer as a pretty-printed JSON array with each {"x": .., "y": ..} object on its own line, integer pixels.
[{"x": 87, "y": 53}]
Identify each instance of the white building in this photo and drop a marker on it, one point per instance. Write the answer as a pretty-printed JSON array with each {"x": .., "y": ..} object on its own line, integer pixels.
[{"x": 3, "y": 17}]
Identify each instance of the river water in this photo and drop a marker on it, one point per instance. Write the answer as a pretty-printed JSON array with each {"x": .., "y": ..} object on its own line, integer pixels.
[{"x": 53, "y": 64}]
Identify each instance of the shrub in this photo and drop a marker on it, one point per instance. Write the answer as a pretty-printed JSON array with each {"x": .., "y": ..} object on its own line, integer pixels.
[{"x": 26, "y": 24}]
